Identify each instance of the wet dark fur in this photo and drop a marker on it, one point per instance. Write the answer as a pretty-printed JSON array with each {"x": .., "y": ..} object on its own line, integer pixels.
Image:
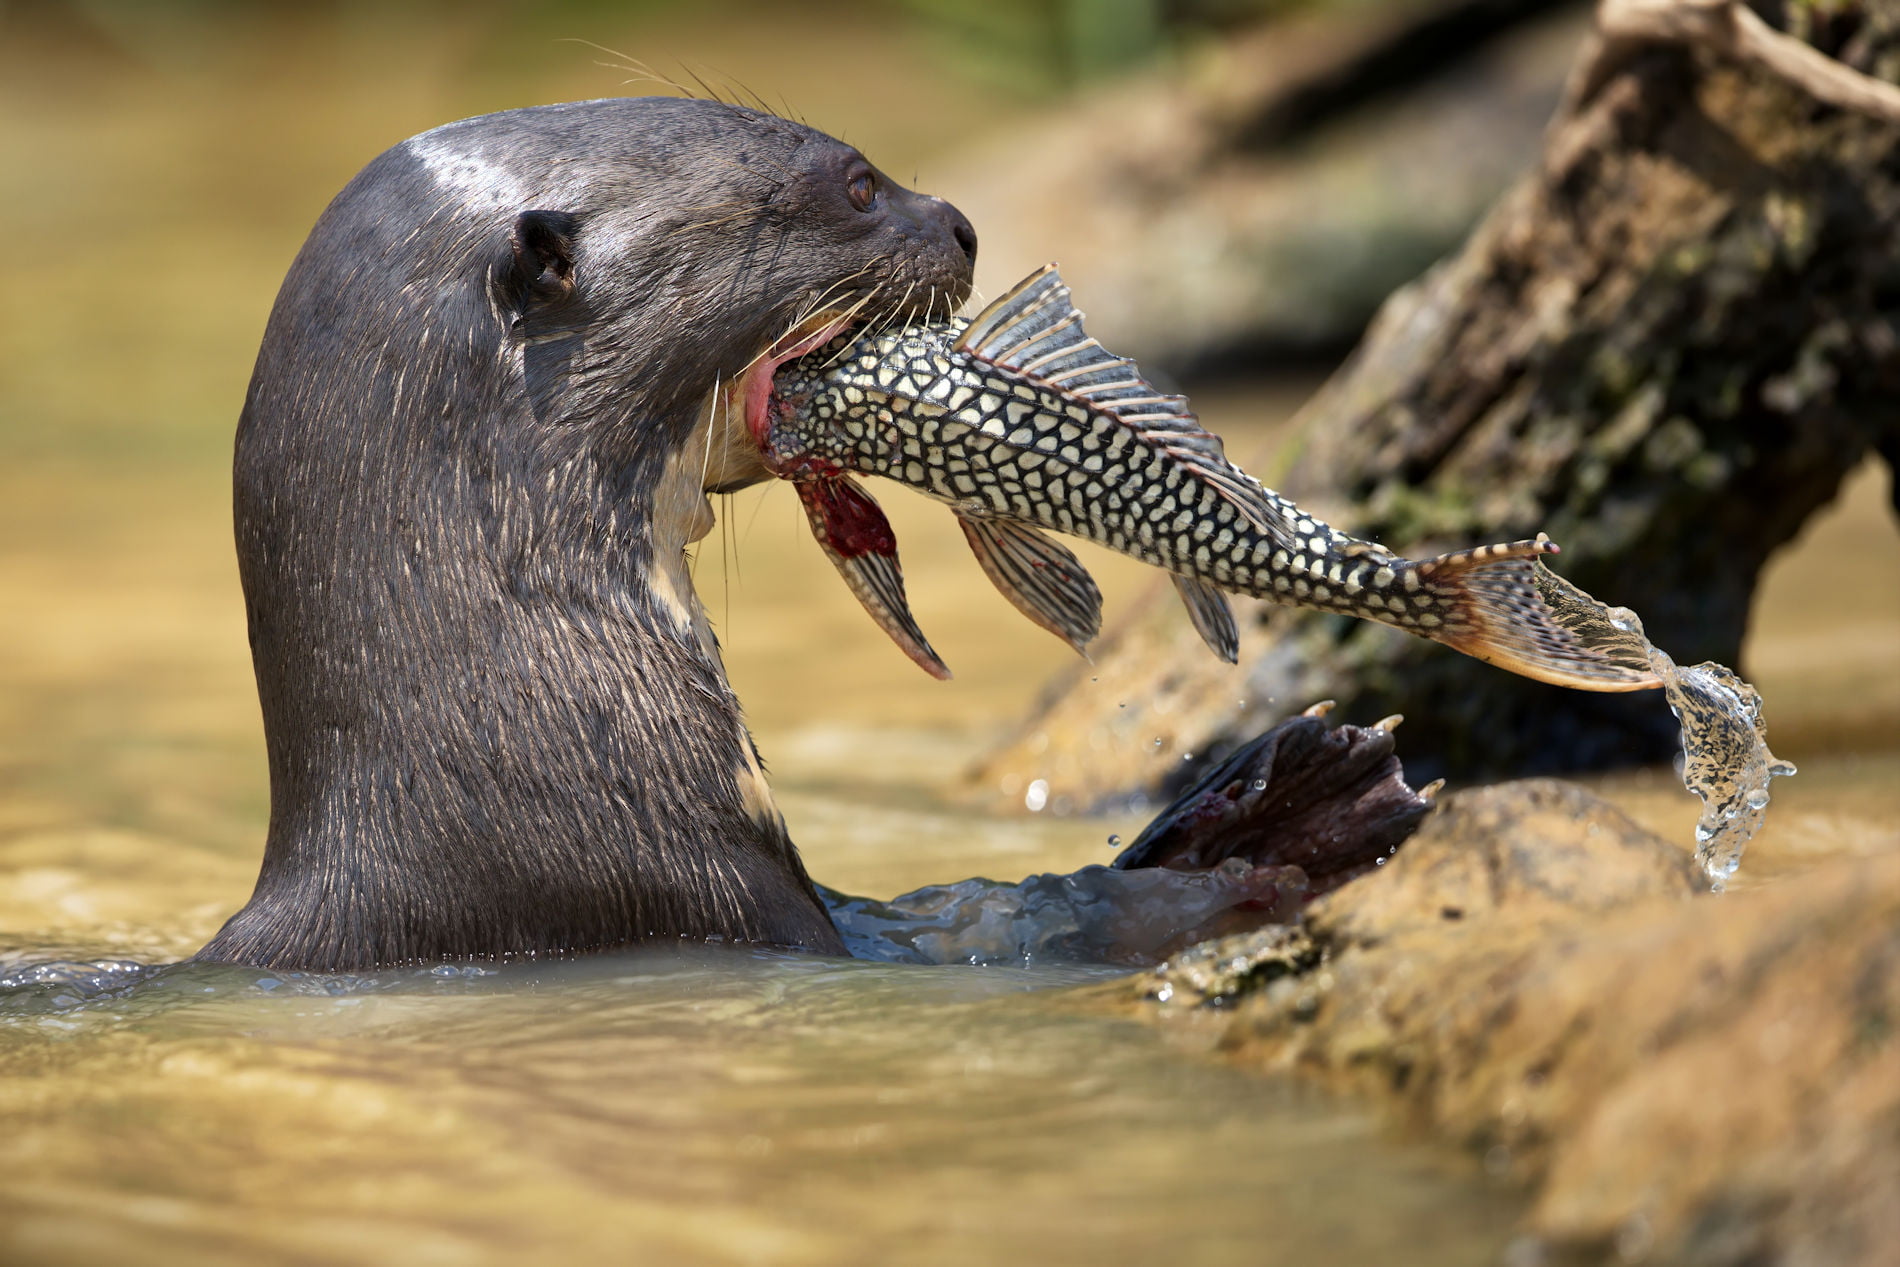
[{"x": 487, "y": 736}]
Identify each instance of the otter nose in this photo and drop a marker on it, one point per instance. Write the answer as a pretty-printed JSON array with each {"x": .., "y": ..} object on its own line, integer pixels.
[
  {"x": 962, "y": 230},
  {"x": 946, "y": 223}
]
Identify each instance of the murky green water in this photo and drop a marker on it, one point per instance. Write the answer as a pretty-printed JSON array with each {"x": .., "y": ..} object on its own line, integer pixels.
[{"x": 699, "y": 1107}]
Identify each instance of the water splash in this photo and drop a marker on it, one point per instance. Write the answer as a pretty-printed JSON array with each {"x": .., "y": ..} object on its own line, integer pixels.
[
  {"x": 58, "y": 985},
  {"x": 1725, "y": 756}
]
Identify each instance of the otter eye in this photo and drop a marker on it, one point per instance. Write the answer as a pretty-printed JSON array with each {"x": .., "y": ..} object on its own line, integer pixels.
[{"x": 863, "y": 191}]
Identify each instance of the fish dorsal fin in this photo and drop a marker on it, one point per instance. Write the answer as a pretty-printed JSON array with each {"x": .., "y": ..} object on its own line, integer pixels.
[
  {"x": 1040, "y": 577},
  {"x": 1213, "y": 619},
  {"x": 1035, "y": 331}
]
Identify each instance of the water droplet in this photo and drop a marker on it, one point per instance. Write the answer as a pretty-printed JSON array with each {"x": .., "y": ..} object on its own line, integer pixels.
[
  {"x": 1187, "y": 756},
  {"x": 1157, "y": 741},
  {"x": 1037, "y": 796},
  {"x": 1259, "y": 785},
  {"x": 1758, "y": 798},
  {"x": 1114, "y": 840}
]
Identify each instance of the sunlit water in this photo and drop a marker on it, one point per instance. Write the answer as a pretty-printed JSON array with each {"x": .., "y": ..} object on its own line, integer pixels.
[{"x": 696, "y": 1106}]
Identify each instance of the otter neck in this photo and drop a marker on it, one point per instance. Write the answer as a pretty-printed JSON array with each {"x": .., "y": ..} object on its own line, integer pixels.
[{"x": 497, "y": 720}]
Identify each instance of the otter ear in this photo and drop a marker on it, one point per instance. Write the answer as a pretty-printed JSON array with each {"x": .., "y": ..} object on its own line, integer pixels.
[{"x": 543, "y": 269}]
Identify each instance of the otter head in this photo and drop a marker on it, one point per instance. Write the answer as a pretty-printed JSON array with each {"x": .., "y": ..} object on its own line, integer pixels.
[{"x": 498, "y": 381}]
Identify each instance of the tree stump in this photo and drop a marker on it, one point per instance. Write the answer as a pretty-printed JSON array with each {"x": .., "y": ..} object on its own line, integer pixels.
[{"x": 1666, "y": 346}]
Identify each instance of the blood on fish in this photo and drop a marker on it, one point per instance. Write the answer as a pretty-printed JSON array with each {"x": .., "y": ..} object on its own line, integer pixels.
[{"x": 852, "y": 523}]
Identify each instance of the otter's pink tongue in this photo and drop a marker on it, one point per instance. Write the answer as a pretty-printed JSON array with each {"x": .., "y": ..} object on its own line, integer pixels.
[
  {"x": 756, "y": 385},
  {"x": 857, "y": 538}
]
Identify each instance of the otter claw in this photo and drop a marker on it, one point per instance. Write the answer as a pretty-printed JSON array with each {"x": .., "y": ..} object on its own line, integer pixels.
[
  {"x": 1389, "y": 724},
  {"x": 1320, "y": 709},
  {"x": 1429, "y": 793}
]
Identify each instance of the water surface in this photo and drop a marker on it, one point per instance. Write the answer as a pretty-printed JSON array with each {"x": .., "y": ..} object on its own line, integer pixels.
[{"x": 700, "y": 1106}]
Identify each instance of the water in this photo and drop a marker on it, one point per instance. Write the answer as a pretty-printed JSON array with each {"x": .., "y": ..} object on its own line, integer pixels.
[
  {"x": 1725, "y": 756},
  {"x": 1726, "y": 760},
  {"x": 679, "y": 1106}
]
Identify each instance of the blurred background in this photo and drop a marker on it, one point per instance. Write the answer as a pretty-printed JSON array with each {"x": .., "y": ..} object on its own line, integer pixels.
[{"x": 1231, "y": 186}]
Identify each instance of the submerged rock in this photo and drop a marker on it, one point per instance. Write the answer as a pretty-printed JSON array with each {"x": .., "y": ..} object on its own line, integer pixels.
[{"x": 1703, "y": 1079}]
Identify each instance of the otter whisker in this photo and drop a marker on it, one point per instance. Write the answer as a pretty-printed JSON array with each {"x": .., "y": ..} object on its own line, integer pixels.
[
  {"x": 642, "y": 71},
  {"x": 791, "y": 328},
  {"x": 741, "y": 90},
  {"x": 712, "y": 94},
  {"x": 734, "y": 218},
  {"x": 785, "y": 174},
  {"x": 791, "y": 113},
  {"x": 851, "y": 315},
  {"x": 726, "y": 564},
  {"x": 712, "y": 409},
  {"x": 807, "y": 311}
]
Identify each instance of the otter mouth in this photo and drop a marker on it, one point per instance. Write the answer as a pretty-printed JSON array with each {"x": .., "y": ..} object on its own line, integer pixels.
[{"x": 754, "y": 388}]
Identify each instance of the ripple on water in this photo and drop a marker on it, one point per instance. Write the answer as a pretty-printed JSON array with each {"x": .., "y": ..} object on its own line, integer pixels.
[{"x": 703, "y": 1104}]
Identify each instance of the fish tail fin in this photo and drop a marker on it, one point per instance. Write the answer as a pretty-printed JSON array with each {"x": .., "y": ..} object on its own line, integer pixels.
[{"x": 1501, "y": 605}]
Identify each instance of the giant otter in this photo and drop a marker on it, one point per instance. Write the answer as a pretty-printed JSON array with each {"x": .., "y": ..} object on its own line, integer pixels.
[{"x": 489, "y": 403}]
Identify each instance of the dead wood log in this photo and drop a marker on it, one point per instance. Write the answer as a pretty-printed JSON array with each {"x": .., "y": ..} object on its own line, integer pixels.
[{"x": 1665, "y": 346}]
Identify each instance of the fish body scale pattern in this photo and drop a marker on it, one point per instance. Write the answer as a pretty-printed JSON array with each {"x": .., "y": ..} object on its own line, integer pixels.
[{"x": 907, "y": 407}]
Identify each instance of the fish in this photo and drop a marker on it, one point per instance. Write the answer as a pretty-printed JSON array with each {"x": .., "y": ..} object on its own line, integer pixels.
[{"x": 1023, "y": 424}]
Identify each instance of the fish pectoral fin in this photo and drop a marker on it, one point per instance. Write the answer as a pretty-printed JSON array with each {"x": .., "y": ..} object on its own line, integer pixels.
[
  {"x": 851, "y": 529},
  {"x": 1213, "y": 618},
  {"x": 1501, "y": 605},
  {"x": 1040, "y": 577}
]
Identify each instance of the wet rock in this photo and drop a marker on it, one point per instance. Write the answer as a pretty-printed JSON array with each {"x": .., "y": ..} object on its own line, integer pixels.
[
  {"x": 1687, "y": 1078},
  {"x": 1219, "y": 971},
  {"x": 1539, "y": 849}
]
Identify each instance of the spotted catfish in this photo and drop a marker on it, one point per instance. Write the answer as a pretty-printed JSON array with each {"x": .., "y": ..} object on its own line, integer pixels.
[{"x": 1020, "y": 421}]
